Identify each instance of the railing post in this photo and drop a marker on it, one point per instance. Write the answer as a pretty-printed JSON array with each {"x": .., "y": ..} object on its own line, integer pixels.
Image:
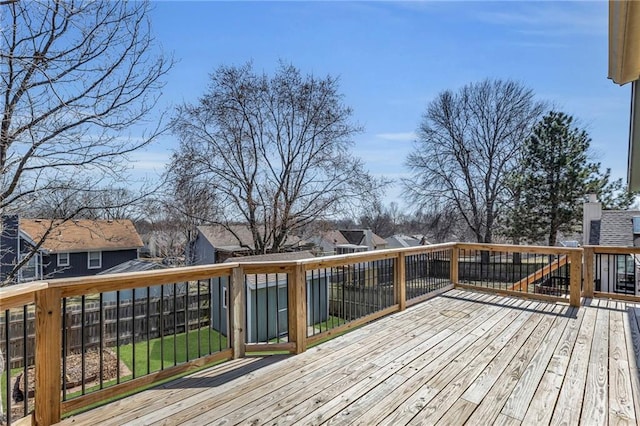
[
  {"x": 237, "y": 316},
  {"x": 297, "y": 310},
  {"x": 575, "y": 278},
  {"x": 453, "y": 265},
  {"x": 400, "y": 282},
  {"x": 48, "y": 352},
  {"x": 589, "y": 254}
]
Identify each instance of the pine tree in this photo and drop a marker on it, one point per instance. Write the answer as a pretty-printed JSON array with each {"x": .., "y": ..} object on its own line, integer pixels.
[{"x": 556, "y": 174}]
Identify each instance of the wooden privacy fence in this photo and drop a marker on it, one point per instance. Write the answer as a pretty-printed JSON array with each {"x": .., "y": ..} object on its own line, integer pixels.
[
  {"x": 86, "y": 329},
  {"x": 359, "y": 288}
]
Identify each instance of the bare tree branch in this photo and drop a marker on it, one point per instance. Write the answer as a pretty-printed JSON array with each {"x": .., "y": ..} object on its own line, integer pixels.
[
  {"x": 274, "y": 151},
  {"x": 76, "y": 76},
  {"x": 467, "y": 143}
]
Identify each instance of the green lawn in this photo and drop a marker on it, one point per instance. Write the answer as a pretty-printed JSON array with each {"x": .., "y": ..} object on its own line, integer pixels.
[
  {"x": 331, "y": 322},
  {"x": 156, "y": 348},
  {"x": 161, "y": 351}
]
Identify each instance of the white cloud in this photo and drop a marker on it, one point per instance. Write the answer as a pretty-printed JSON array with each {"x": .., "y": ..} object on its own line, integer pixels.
[
  {"x": 551, "y": 19},
  {"x": 149, "y": 161},
  {"x": 398, "y": 137}
]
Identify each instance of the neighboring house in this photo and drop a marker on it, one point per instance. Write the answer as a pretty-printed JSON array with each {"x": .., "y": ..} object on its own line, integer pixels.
[
  {"x": 402, "y": 241},
  {"x": 614, "y": 273},
  {"x": 266, "y": 295},
  {"x": 134, "y": 265},
  {"x": 215, "y": 243},
  {"x": 67, "y": 248},
  {"x": 163, "y": 243},
  {"x": 348, "y": 241}
]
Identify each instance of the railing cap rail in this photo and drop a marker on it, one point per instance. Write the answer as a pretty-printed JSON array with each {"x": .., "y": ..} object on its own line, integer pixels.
[{"x": 520, "y": 248}]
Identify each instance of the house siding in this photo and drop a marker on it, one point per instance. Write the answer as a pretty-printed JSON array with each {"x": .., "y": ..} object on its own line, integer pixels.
[
  {"x": 78, "y": 263},
  {"x": 8, "y": 245},
  {"x": 204, "y": 252}
]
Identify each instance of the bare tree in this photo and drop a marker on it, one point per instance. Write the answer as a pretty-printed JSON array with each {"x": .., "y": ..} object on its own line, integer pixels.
[
  {"x": 274, "y": 151},
  {"x": 382, "y": 220},
  {"x": 76, "y": 77},
  {"x": 467, "y": 143}
]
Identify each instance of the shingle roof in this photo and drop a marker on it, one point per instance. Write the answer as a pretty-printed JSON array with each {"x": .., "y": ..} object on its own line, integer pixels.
[
  {"x": 273, "y": 257},
  {"x": 399, "y": 241},
  {"x": 133, "y": 265},
  {"x": 83, "y": 234},
  {"x": 234, "y": 238},
  {"x": 335, "y": 237},
  {"x": 353, "y": 236},
  {"x": 616, "y": 228}
]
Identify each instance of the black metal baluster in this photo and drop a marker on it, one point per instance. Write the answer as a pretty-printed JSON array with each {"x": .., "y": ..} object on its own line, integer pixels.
[
  {"x": 148, "y": 330},
  {"x": 133, "y": 332},
  {"x": 118, "y": 335},
  {"x": 7, "y": 321},
  {"x": 198, "y": 313},
  {"x": 161, "y": 325},
  {"x": 187, "y": 294},
  {"x": 82, "y": 344},
  {"x": 175, "y": 324},
  {"x": 209, "y": 330},
  {"x": 101, "y": 344},
  {"x": 64, "y": 348}
]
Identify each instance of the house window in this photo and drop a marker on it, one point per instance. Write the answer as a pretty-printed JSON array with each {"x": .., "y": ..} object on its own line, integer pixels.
[
  {"x": 94, "y": 260},
  {"x": 625, "y": 280},
  {"x": 29, "y": 270},
  {"x": 224, "y": 297},
  {"x": 63, "y": 259}
]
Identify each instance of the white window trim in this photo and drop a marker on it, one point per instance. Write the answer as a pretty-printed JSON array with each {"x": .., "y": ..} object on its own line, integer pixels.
[
  {"x": 89, "y": 260},
  {"x": 36, "y": 270},
  {"x": 68, "y": 259},
  {"x": 224, "y": 297}
]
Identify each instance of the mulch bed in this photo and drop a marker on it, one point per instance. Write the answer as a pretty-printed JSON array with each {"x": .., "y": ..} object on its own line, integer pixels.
[{"x": 74, "y": 377}]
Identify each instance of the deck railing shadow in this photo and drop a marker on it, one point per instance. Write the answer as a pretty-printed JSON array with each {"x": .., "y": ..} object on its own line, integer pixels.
[
  {"x": 567, "y": 310},
  {"x": 214, "y": 379}
]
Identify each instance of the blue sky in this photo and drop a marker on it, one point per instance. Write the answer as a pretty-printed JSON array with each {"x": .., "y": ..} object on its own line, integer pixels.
[{"x": 394, "y": 57}]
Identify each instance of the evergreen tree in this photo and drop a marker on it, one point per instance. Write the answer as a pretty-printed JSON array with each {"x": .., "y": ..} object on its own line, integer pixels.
[{"x": 555, "y": 175}]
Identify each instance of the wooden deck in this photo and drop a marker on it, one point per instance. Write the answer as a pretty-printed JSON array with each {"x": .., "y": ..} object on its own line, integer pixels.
[{"x": 460, "y": 358}]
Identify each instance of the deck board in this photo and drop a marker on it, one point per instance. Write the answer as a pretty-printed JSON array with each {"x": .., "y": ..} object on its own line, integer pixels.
[{"x": 459, "y": 358}]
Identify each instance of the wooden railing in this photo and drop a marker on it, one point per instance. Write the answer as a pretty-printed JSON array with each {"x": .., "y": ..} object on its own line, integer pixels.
[
  {"x": 612, "y": 272},
  {"x": 324, "y": 296},
  {"x": 545, "y": 273}
]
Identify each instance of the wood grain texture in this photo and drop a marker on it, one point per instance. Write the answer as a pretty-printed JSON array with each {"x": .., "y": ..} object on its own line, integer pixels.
[
  {"x": 588, "y": 268},
  {"x": 596, "y": 394},
  {"x": 400, "y": 282},
  {"x": 459, "y": 358},
  {"x": 47, "y": 357},
  {"x": 17, "y": 296}
]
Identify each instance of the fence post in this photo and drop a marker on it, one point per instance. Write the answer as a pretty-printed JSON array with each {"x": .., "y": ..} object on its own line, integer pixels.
[
  {"x": 575, "y": 277},
  {"x": 589, "y": 253},
  {"x": 297, "y": 309},
  {"x": 237, "y": 314},
  {"x": 453, "y": 265},
  {"x": 48, "y": 351},
  {"x": 400, "y": 283}
]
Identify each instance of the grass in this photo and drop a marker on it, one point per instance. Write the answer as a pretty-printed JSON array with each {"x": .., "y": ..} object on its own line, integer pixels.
[
  {"x": 171, "y": 350},
  {"x": 331, "y": 322},
  {"x": 161, "y": 354},
  {"x": 3, "y": 384}
]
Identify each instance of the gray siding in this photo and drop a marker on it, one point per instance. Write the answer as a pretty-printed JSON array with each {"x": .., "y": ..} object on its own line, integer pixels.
[
  {"x": 204, "y": 253},
  {"x": 219, "y": 290},
  {"x": 78, "y": 263},
  {"x": 8, "y": 245}
]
